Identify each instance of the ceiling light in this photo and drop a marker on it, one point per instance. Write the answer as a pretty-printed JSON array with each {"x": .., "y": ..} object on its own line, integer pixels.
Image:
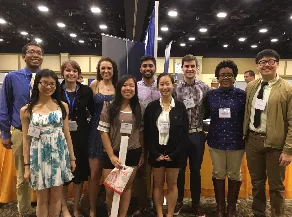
[
  {"x": 159, "y": 38},
  {"x": 254, "y": 46},
  {"x": 192, "y": 38},
  {"x": 1, "y": 39},
  {"x": 38, "y": 40},
  {"x": 263, "y": 30},
  {"x": 73, "y": 35},
  {"x": 61, "y": 25},
  {"x": 23, "y": 33},
  {"x": 102, "y": 26},
  {"x": 172, "y": 13},
  {"x": 241, "y": 39},
  {"x": 225, "y": 45},
  {"x": 81, "y": 41},
  {"x": 95, "y": 10},
  {"x": 2, "y": 21},
  {"x": 222, "y": 14},
  {"x": 164, "y": 28},
  {"x": 182, "y": 44},
  {"x": 43, "y": 8},
  {"x": 203, "y": 30},
  {"x": 291, "y": 17},
  {"x": 274, "y": 40}
]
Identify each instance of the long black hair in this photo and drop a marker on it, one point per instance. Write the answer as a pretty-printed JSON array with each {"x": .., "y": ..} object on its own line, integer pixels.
[
  {"x": 115, "y": 106},
  {"x": 35, "y": 91}
]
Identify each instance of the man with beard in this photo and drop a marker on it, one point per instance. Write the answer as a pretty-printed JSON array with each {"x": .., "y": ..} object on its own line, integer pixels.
[
  {"x": 15, "y": 93},
  {"x": 147, "y": 92},
  {"x": 267, "y": 130},
  {"x": 192, "y": 91}
]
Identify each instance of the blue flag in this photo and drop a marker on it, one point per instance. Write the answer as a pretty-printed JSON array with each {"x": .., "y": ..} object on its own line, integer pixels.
[
  {"x": 150, "y": 36},
  {"x": 167, "y": 56}
]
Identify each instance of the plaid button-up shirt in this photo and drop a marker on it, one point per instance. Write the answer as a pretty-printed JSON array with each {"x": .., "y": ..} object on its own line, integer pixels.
[{"x": 196, "y": 91}]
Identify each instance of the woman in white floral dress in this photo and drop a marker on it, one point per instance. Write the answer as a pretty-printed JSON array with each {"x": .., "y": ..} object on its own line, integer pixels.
[{"x": 47, "y": 147}]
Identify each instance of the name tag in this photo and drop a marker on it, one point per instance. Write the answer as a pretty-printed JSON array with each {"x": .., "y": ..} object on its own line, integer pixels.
[
  {"x": 189, "y": 103},
  {"x": 260, "y": 104},
  {"x": 224, "y": 113},
  {"x": 145, "y": 103},
  {"x": 163, "y": 127},
  {"x": 126, "y": 128},
  {"x": 73, "y": 125},
  {"x": 34, "y": 131}
]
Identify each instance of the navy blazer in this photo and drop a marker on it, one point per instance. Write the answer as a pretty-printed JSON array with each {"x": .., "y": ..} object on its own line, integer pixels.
[{"x": 178, "y": 132}]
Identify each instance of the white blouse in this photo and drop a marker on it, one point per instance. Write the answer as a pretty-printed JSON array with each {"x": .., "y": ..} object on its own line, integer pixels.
[{"x": 163, "y": 119}]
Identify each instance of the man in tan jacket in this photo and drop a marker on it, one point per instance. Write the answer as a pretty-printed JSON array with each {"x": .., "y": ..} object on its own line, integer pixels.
[{"x": 268, "y": 133}]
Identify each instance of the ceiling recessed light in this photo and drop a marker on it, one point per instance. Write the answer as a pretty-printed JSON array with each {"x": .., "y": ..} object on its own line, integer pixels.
[
  {"x": 221, "y": 14},
  {"x": 38, "y": 40},
  {"x": 182, "y": 44},
  {"x": 241, "y": 39},
  {"x": 164, "y": 28},
  {"x": 73, "y": 35},
  {"x": 203, "y": 30},
  {"x": 172, "y": 13},
  {"x": 254, "y": 46},
  {"x": 81, "y": 41},
  {"x": 1, "y": 39},
  {"x": 159, "y": 38},
  {"x": 2, "y": 21},
  {"x": 23, "y": 33},
  {"x": 61, "y": 25},
  {"x": 263, "y": 30},
  {"x": 291, "y": 17},
  {"x": 43, "y": 8},
  {"x": 102, "y": 26},
  {"x": 274, "y": 40},
  {"x": 192, "y": 38},
  {"x": 95, "y": 10},
  {"x": 225, "y": 45}
]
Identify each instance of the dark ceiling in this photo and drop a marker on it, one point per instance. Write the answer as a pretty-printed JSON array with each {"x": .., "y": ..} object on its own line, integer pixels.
[{"x": 244, "y": 19}]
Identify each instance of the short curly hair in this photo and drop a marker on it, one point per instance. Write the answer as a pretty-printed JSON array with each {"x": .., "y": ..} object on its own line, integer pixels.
[{"x": 226, "y": 64}]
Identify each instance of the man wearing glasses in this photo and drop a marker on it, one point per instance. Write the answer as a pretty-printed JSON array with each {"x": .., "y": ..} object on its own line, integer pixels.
[
  {"x": 268, "y": 133},
  {"x": 15, "y": 93}
]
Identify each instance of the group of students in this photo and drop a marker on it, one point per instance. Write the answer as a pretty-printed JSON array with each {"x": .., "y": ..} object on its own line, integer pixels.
[{"x": 54, "y": 143}]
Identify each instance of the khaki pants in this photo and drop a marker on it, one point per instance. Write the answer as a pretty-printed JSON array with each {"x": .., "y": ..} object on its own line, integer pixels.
[
  {"x": 22, "y": 188},
  {"x": 226, "y": 163},
  {"x": 263, "y": 162}
]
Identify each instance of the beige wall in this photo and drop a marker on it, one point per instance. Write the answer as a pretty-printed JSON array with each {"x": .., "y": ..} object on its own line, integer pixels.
[{"x": 9, "y": 62}]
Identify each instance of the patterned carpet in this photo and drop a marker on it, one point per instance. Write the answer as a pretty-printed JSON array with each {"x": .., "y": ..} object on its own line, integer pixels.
[{"x": 208, "y": 204}]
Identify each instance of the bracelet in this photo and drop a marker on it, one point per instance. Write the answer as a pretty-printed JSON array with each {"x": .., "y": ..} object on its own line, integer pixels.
[{"x": 26, "y": 164}]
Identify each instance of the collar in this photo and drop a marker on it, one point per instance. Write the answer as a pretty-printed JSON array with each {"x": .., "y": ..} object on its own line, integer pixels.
[
  {"x": 153, "y": 84},
  {"x": 225, "y": 89},
  {"x": 273, "y": 81},
  {"x": 172, "y": 103},
  {"x": 27, "y": 71},
  {"x": 186, "y": 84}
]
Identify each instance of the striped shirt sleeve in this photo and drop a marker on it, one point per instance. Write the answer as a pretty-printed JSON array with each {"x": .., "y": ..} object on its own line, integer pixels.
[{"x": 104, "y": 122}]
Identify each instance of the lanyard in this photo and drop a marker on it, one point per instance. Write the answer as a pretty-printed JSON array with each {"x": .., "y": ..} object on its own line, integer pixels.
[{"x": 71, "y": 105}]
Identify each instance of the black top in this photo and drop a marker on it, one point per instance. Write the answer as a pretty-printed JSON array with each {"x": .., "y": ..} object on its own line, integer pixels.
[
  {"x": 178, "y": 132},
  {"x": 83, "y": 104}
]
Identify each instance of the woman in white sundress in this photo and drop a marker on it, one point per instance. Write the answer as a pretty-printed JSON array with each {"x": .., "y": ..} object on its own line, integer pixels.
[{"x": 47, "y": 147}]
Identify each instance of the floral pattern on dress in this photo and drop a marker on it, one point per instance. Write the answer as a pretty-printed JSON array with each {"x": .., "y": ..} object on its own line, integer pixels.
[{"x": 49, "y": 154}]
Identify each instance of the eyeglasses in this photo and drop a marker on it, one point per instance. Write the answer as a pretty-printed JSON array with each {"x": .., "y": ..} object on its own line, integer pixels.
[
  {"x": 32, "y": 52},
  {"x": 271, "y": 62},
  {"x": 147, "y": 65},
  {"x": 226, "y": 76},
  {"x": 45, "y": 84}
]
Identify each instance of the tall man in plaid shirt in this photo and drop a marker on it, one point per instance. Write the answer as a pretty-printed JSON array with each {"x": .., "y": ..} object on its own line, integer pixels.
[{"x": 192, "y": 91}]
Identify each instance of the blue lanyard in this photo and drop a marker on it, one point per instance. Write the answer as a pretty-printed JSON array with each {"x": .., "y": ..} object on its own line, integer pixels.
[{"x": 71, "y": 105}]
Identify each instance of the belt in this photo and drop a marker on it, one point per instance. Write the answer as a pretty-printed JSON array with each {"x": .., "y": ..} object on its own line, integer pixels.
[
  {"x": 196, "y": 130},
  {"x": 19, "y": 128},
  {"x": 258, "y": 133}
]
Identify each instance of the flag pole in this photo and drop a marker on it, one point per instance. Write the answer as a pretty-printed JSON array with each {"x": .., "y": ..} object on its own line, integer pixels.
[{"x": 156, "y": 28}]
